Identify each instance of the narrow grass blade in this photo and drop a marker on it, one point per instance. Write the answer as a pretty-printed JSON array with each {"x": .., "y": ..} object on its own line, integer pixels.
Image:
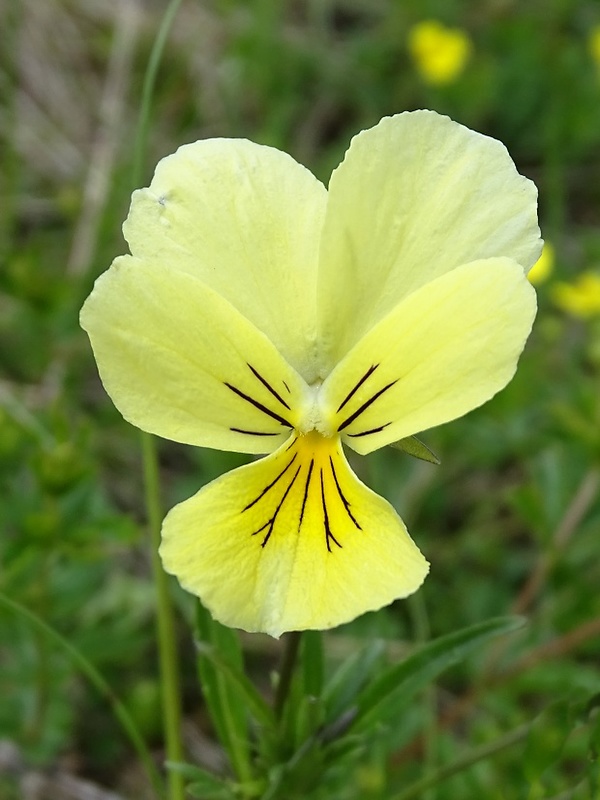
[
  {"x": 350, "y": 677},
  {"x": 255, "y": 704},
  {"x": 396, "y": 685},
  {"x": 95, "y": 678}
]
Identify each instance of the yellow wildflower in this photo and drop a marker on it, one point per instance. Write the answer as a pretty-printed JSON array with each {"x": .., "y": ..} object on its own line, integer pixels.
[
  {"x": 581, "y": 297},
  {"x": 439, "y": 53},
  {"x": 543, "y": 267},
  {"x": 260, "y": 312},
  {"x": 594, "y": 44}
]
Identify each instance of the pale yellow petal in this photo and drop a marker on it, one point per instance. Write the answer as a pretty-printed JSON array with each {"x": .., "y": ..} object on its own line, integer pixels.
[
  {"x": 416, "y": 196},
  {"x": 291, "y": 542},
  {"x": 180, "y": 361},
  {"x": 246, "y": 219},
  {"x": 444, "y": 350}
]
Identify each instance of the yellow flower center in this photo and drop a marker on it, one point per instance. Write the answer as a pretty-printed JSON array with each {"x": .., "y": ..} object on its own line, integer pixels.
[{"x": 306, "y": 488}]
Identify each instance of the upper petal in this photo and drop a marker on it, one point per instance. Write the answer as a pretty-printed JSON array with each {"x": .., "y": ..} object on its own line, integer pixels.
[
  {"x": 445, "y": 349},
  {"x": 246, "y": 219},
  {"x": 180, "y": 361},
  {"x": 291, "y": 542},
  {"x": 416, "y": 196}
]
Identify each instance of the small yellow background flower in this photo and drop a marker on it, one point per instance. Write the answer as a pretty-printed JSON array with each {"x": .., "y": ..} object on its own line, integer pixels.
[
  {"x": 581, "y": 297},
  {"x": 440, "y": 54},
  {"x": 262, "y": 313},
  {"x": 594, "y": 44},
  {"x": 543, "y": 267}
]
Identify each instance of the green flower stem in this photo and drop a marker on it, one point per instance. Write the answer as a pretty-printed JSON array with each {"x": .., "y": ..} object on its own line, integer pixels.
[
  {"x": 415, "y": 791},
  {"x": 286, "y": 673},
  {"x": 167, "y": 642},
  {"x": 96, "y": 679}
]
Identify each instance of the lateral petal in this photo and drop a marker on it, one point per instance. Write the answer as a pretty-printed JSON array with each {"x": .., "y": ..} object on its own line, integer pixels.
[
  {"x": 291, "y": 542},
  {"x": 180, "y": 361},
  {"x": 415, "y": 197},
  {"x": 246, "y": 219},
  {"x": 444, "y": 350}
]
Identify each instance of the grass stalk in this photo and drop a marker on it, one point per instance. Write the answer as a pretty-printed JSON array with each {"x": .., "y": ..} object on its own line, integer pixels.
[
  {"x": 415, "y": 790},
  {"x": 95, "y": 678}
]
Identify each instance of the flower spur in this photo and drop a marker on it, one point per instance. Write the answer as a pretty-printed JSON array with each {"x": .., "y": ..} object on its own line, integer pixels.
[{"x": 261, "y": 313}]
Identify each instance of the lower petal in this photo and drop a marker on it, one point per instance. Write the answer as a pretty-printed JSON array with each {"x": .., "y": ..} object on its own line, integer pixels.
[{"x": 291, "y": 542}]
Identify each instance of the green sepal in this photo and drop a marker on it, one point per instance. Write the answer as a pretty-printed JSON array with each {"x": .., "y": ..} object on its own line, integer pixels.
[{"x": 416, "y": 448}]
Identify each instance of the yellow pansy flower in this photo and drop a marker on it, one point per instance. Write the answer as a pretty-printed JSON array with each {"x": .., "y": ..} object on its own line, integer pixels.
[
  {"x": 581, "y": 297},
  {"x": 439, "y": 53},
  {"x": 262, "y": 313},
  {"x": 543, "y": 267}
]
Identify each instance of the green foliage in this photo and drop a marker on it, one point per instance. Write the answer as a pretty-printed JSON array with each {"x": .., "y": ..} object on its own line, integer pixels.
[
  {"x": 228, "y": 695},
  {"x": 393, "y": 688},
  {"x": 393, "y": 705}
]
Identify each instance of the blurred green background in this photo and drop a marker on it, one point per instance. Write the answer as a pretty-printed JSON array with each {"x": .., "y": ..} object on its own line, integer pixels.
[{"x": 510, "y": 520}]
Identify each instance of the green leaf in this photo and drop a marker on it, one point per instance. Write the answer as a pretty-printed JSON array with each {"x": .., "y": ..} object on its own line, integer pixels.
[
  {"x": 547, "y": 739},
  {"x": 225, "y": 700},
  {"x": 206, "y": 786},
  {"x": 191, "y": 772},
  {"x": 349, "y": 678},
  {"x": 591, "y": 716},
  {"x": 392, "y": 690},
  {"x": 416, "y": 448},
  {"x": 205, "y": 790},
  {"x": 303, "y": 712},
  {"x": 464, "y": 762},
  {"x": 203, "y": 783},
  {"x": 237, "y": 680}
]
